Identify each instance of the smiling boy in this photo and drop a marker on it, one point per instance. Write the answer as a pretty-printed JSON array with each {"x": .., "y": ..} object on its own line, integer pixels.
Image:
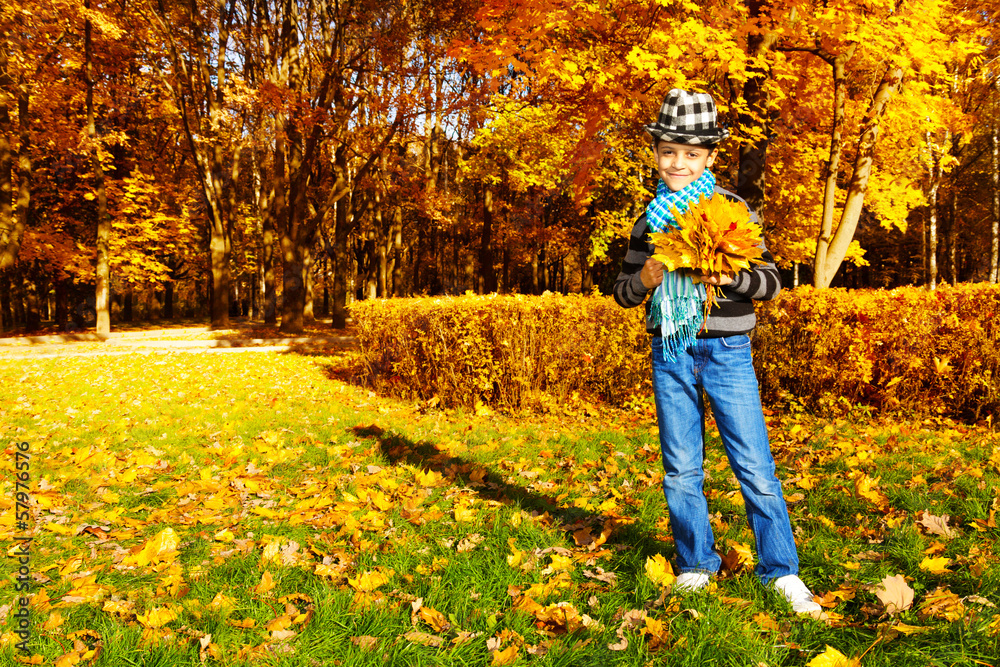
[{"x": 693, "y": 359}]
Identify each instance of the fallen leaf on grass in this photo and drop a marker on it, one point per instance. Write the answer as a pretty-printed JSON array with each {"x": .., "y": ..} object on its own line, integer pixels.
[
  {"x": 766, "y": 622},
  {"x": 942, "y": 603},
  {"x": 895, "y": 594},
  {"x": 157, "y": 618},
  {"x": 266, "y": 583},
  {"x": 738, "y": 559},
  {"x": 369, "y": 581},
  {"x": 936, "y": 525},
  {"x": 464, "y": 636},
  {"x": 424, "y": 639},
  {"x": 601, "y": 575},
  {"x": 831, "y": 657},
  {"x": 904, "y": 629},
  {"x": 434, "y": 618},
  {"x": 206, "y": 649},
  {"x": 365, "y": 642},
  {"x": 659, "y": 571},
  {"x": 470, "y": 542},
  {"x": 506, "y": 656},
  {"x": 833, "y": 598},
  {"x": 935, "y": 565},
  {"x": 160, "y": 548}
]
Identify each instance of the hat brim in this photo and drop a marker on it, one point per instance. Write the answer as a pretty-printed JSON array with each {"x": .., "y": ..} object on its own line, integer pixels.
[{"x": 657, "y": 132}]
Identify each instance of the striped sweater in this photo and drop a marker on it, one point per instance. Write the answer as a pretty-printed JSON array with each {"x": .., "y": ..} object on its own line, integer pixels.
[{"x": 734, "y": 314}]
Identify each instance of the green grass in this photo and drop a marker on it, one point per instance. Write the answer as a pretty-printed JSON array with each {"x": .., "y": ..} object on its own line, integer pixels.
[{"x": 278, "y": 449}]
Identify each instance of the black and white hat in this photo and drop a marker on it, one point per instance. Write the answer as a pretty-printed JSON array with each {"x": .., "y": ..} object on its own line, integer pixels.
[{"x": 687, "y": 118}]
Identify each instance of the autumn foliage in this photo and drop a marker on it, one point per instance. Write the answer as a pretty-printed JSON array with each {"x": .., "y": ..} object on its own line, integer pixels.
[
  {"x": 900, "y": 350},
  {"x": 508, "y": 352}
]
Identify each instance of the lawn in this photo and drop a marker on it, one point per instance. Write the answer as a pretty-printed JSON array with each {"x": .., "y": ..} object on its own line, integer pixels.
[{"x": 258, "y": 508}]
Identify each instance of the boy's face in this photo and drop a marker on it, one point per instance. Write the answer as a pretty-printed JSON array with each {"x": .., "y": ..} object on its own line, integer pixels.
[{"x": 681, "y": 164}]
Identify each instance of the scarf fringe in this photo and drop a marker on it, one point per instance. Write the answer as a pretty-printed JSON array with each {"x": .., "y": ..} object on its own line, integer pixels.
[{"x": 677, "y": 308}]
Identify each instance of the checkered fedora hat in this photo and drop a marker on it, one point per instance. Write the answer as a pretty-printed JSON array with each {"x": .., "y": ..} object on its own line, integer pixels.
[{"x": 687, "y": 118}]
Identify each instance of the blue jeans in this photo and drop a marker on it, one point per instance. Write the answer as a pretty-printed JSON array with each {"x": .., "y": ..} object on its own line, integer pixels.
[{"x": 723, "y": 368}]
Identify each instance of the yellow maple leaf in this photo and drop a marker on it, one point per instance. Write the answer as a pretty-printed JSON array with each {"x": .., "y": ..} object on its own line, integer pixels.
[
  {"x": 280, "y": 623},
  {"x": 120, "y": 607},
  {"x": 435, "y": 619},
  {"x": 559, "y": 564},
  {"x": 831, "y": 657},
  {"x": 156, "y": 618},
  {"x": 428, "y": 478},
  {"x": 516, "y": 557},
  {"x": 464, "y": 513},
  {"x": 369, "y": 581},
  {"x": 222, "y": 602},
  {"x": 266, "y": 583},
  {"x": 162, "y": 547},
  {"x": 54, "y": 620},
  {"x": 85, "y": 589},
  {"x": 506, "y": 656},
  {"x": 715, "y": 235},
  {"x": 935, "y": 565},
  {"x": 659, "y": 571},
  {"x": 942, "y": 603},
  {"x": 68, "y": 659}
]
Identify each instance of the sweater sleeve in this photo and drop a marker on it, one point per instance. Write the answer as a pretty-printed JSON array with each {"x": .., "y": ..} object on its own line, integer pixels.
[
  {"x": 761, "y": 282},
  {"x": 629, "y": 291}
]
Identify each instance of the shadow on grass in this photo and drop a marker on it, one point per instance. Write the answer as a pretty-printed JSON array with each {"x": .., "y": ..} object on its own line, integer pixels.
[{"x": 494, "y": 487}]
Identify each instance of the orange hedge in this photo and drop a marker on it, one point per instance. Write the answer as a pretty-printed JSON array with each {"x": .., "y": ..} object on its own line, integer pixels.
[
  {"x": 907, "y": 348},
  {"x": 903, "y": 349},
  {"x": 509, "y": 352}
]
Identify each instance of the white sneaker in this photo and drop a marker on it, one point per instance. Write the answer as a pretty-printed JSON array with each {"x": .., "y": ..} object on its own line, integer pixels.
[
  {"x": 797, "y": 594},
  {"x": 688, "y": 582}
]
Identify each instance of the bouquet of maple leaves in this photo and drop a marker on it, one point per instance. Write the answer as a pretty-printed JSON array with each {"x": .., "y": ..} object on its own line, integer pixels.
[{"x": 715, "y": 235}]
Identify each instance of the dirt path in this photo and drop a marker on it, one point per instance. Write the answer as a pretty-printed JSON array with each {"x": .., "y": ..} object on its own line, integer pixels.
[{"x": 166, "y": 341}]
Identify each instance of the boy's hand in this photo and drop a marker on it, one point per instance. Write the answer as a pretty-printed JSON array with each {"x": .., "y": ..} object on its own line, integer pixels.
[
  {"x": 716, "y": 278},
  {"x": 652, "y": 273}
]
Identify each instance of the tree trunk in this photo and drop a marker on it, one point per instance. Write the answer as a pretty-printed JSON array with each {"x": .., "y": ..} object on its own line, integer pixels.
[
  {"x": 13, "y": 223},
  {"x": 753, "y": 155},
  {"x": 820, "y": 262},
  {"x": 934, "y": 174},
  {"x": 308, "y": 313},
  {"x": 102, "y": 290},
  {"x": 293, "y": 291},
  {"x": 168, "y": 300},
  {"x": 834, "y": 254},
  {"x": 995, "y": 241},
  {"x": 932, "y": 241},
  {"x": 486, "y": 270},
  {"x": 397, "y": 252},
  {"x": 6, "y": 313},
  {"x": 417, "y": 247},
  {"x": 342, "y": 261},
  {"x": 953, "y": 238},
  {"x": 62, "y": 304}
]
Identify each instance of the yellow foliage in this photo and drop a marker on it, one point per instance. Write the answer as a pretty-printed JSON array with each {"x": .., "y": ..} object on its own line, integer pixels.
[
  {"x": 659, "y": 571},
  {"x": 831, "y": 657},
  {"x": 878, "y": 348},
  {"x": 823, "y": 347},
  {"x": 508, "y": 352},
  {"x": 715, "y": 236}
]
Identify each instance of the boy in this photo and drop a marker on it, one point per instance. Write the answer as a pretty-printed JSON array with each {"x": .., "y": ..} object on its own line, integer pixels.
[{"x": 687, "y": 362}]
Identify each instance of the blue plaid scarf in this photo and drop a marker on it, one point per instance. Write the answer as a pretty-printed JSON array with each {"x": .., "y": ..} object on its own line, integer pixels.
[{"x": 677, "y": 304}]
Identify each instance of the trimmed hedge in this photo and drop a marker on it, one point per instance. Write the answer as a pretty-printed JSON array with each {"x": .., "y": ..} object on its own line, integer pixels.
[
  {"x": 904, "y": 349},
  {"x": 509, "y": 352}
]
